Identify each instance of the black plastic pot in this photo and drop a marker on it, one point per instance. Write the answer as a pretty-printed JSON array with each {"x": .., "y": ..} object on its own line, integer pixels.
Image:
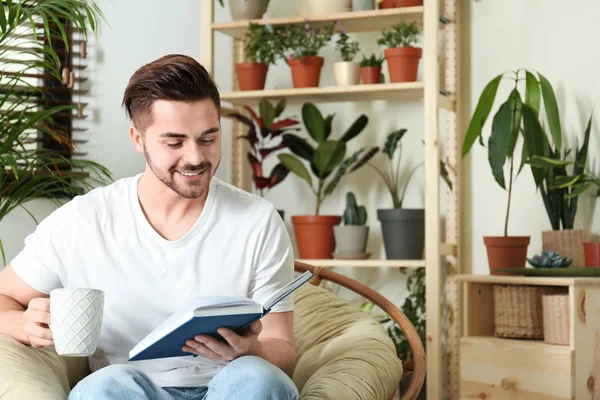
[{"x": 403, "y": 233}]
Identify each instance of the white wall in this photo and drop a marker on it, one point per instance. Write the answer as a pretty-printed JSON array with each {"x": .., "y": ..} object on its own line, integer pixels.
[
  {"x": 554, "y": 38},
  {"x": 504, "y": 35}
]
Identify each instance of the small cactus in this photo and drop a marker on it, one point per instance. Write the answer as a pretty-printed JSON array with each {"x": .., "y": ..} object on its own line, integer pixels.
[
  {"x": 354, "y": 214},
  {"x": 549, "y": 259}
]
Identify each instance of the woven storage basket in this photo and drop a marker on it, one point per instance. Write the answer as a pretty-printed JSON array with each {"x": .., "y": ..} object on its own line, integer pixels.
[
  {"x": 567, "y": 243},
  {"x": 556, "y": 318},
  {"x": 518, "y": 311}
]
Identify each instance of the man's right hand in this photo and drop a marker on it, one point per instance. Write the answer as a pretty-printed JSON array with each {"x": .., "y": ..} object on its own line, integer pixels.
[{"x": 37, "y": 321}]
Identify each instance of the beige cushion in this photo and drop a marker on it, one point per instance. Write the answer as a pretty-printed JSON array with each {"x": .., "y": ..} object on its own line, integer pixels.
[
  {"x": 343, "y": 352},
  {"x": 31, "y": 374}
]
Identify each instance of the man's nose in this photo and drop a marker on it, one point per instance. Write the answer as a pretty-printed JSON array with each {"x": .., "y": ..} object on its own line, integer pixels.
[{"x": 194, "y": 155}]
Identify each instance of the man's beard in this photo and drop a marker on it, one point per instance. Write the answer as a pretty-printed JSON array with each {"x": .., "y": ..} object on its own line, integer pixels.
[{"x": 188, "y": 190}]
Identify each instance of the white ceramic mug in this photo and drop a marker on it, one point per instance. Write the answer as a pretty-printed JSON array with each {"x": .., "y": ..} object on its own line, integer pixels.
[{"x": 76, "y": 320}]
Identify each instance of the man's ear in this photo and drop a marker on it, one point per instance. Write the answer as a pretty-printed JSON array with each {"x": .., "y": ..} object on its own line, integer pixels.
[{"x": 137, "y": 139}]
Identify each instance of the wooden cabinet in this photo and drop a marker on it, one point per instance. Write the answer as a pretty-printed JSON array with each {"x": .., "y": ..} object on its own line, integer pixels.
[{"x": 500, "y": 368}]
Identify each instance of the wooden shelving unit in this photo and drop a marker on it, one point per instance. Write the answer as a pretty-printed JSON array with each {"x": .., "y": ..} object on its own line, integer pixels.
[
  {"x": 442, "y": 247},
  {"x": 495, "y": 367},
  {"x": 366, "y": 263}
]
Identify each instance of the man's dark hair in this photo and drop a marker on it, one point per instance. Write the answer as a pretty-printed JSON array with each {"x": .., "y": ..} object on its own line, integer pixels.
[{"x": 171, "y": 77}]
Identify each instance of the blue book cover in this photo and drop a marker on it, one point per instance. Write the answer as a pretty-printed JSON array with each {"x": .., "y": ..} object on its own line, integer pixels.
[{"x": 204, "y": 316}]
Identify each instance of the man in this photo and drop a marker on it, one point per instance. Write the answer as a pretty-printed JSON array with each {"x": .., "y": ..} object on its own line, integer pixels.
[{"x": 154, "y": 241}]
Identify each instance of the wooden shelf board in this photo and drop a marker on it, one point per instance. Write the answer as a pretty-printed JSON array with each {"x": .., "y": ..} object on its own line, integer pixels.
[
  {"x": 381, "y": 91},
  {"x": 529, "y": 280},
  {"x": 523, "y": 344},
  {"x": 356, "y": 21},
  {"x": 369, "y": 263}
]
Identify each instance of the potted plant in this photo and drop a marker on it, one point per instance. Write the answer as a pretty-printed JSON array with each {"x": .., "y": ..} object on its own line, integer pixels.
[
  {"x": 346, "y": 72},
  {"x": 28, "y": 174},
  {"x": 329, "y": 164},
  {"x": 261, "y": 50},
  {"x": 363, "y": 5},
  {"x": 351, "y": 238},
  {"x": 265, "y": 138},
  {"x": 402, "y": 58},
  {"x": 514, "y": 118},
  {"x": 246, "y": 9},
  {"x": 302, "y": 42},
  {"x": 560, "y": 190},
  {"x": 370, "y": 69},
  {"x": 383, "y": 4},
  {"x": 306, "y": 8},
  {"x": 571, "y": 185},
  {"x": 403, "y": 229}
]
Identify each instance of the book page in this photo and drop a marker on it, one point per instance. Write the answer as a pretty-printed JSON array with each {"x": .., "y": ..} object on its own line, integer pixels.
[{"x": 287, "y": 289}]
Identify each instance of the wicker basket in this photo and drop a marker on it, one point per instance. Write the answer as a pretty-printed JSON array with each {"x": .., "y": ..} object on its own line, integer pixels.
[
  {"x": 556, "y": 318},
  {"x": 518, "y": 311},
  {"x": 567, "y": 243}
]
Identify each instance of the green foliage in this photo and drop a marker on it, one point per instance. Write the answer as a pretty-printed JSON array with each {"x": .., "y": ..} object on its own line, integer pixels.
[
  {"x": 354, "y": 214},
  {"x": 414, "y": 308},
  {"x": 299, "y": 40},
  {"x": 372, "y": 61},
  {"x": 400, "y": 35},
  {"x": 347, "y": 48},
  {"x": 265, "y": 138},
  {"x": 262, "y": 45},
  {"x": 390, "y": 175},
  {"x": 516, "y": 120},
  {"x": 27, "y": 174},
  {"x": 326, "y": 156},
  {"x": 549, "y": 259}
]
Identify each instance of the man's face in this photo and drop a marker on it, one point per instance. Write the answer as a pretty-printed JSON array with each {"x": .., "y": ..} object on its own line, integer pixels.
[{"x": 182, "y": 145}]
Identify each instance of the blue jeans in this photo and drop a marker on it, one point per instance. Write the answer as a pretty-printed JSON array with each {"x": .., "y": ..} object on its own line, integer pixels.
[{"x": 247, "y": 377}]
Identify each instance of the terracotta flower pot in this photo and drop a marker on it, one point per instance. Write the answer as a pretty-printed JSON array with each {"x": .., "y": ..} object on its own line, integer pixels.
[
  {"x": 506, "y": 252},
  {"x": 400, "y": 3},
  {"x": 251, "y": 76},
  {"x": 403, "y": 63},
  {"x": 314, "y": 235},
  {"x": 370, "y": 75},
  {"x": 592, "y": 254},
  {"x": 306, "y": 71}
]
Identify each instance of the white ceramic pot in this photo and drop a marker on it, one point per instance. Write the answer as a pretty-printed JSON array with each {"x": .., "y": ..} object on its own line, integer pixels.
[
  {"x": 346, "y": 73},
  {"x": 305, "y": 8},
  {"x": 247, "y": 9}
]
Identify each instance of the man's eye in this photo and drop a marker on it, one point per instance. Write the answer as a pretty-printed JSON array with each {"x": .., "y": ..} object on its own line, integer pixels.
[
  {"x": 207, "y": 141},
  {"x": 174, "y": 145}
]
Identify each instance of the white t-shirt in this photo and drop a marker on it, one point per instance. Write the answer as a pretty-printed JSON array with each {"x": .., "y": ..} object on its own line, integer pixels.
[{"x": 238, "y": 247}]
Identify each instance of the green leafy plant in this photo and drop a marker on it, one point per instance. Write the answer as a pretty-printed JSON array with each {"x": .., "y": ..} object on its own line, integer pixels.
[
  {"x": 515, "y": 118},
  {"x": 549, "y": 259},
  {"x": 25, "y": 173},
  {"x": 560, "y": 188},
  {"x": 262, "y": 45},
  {"x": 399, "y": 35},
  {"x": 327, "y": 162},
  {"x": 264, "y": 135},
  {"x": 299, "y": 40},
  {"x": 354, "y": 214},
  {"x": 414, "y": 307},
  {"x": 347, "y": 48},
  {"x": 390, "y": 175},
  {"x": 372, "y": 61}
]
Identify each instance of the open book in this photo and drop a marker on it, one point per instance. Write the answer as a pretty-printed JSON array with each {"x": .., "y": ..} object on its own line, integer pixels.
[{"x": 204, "y": 315}]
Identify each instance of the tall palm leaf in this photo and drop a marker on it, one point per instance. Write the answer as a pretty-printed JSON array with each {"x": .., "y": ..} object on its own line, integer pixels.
[{"x": 30, "y": 30}]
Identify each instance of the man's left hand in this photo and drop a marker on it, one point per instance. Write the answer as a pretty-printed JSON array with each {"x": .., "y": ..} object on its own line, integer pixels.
[{"x": 233, "y": 347}]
